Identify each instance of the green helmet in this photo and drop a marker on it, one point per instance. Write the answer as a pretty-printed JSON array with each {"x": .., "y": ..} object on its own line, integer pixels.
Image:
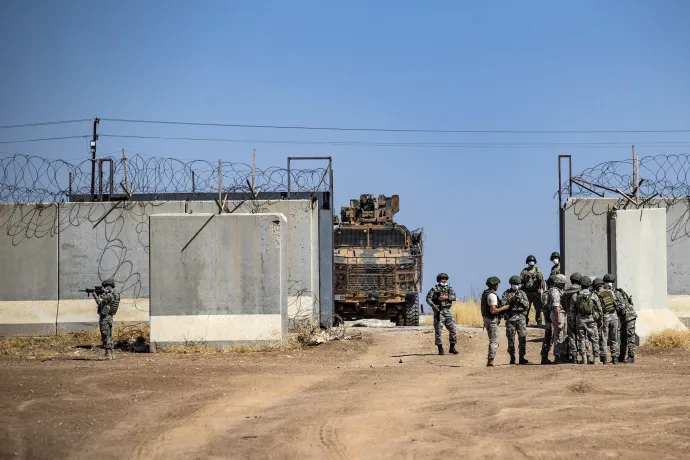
[
  {"x": 609, "y": 278},
  {"x": 575, "y": 278},
  {"x": 109, "y": 282},
  {"x": 493, "y": 281},
  {"x": 441, "y": 276},
  {"x": 585, "y": 281},
  {"x": 554, "y": 255},
  {"x": 597, "y": 282},
  {"x": 515, "y": 280},
  {"x": 559, "y": 279},
  {"x": 531, "y": 258}
]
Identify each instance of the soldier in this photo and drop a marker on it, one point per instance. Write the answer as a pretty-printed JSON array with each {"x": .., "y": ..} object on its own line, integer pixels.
[
  {"x": 517, "y": 301},
  {"x": 610, "y": 330},
  {"x": 533, "y": 285},
  {"x": 556, "y": 259},
  {"x": 548, "y": 330},
  {"x": 558, "y": 318},
  {"x": 108, "y": 303},
  {"x": 588, "y": 312},
  {"x": 491, "y": 309},
  {"x": 440, "y": 298},
  {"x": 627, "y": 318},
  {"x": 570, "y": 298}
]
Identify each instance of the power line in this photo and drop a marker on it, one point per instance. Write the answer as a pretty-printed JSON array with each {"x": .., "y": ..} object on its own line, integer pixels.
[
  {"x": 400, "y": 144},
  {"x": 45, "y": 123},
  {"x": 401, "y": 130},
  {"x": 42, "y": 139}
]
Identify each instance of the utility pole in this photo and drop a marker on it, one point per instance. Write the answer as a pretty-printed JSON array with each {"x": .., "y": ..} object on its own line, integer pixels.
[{"x": 93, "y": 159}]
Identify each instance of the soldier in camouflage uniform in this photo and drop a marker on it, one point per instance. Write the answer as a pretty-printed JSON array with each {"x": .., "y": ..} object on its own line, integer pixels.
[
  {"x": 533, "y": 285},
  {"x": 518, "y": 303},
  {"x": 440, "y": 298},
  {"x": 627, "y": 318},
  {"x": 588, "y": 311},
  {"x": 108, "y": 303},
  {"x": 569, "y": 299},
  {"x": 556, "y": 259},
  {"x": 610, "y": 330},
  {"x": 558, "y": 317},
  {"x": 491, "y": 310},
  {"x": 548, "y": 329}
]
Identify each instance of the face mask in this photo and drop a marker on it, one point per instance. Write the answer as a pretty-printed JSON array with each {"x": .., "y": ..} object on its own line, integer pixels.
[
  {"x": 555, "y": 261},
  {"x": 444, "y": 282},
  {"x": 609, "y": 286},
  {"x": 531, "y": 264},
  {"x": 514, "y": 287}
]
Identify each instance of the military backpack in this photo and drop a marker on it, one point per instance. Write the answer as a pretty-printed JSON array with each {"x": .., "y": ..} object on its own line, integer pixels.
[
  {"x": 626, "y": 303},
  {"x": 532, "y": 280},
  {"x": 608, "y": 301},
  {"x": 115, "y": 304},
  {"x": 585, "y": 304}
]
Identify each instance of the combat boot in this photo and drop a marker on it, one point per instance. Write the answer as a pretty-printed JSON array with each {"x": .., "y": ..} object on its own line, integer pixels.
[
  {"x": 546, "y": 360},
  {"x": 523, "y": 360},
  {"x": 614, "y": 360},
  {"x": 490, "y": 362},
  {"x": 453, "y": 350},
  {"x": 440, "y": 350},
  {"x": 573, "y": 359},
  {"x": 109, "y": 353},
  {"x": 630, "y": 360},
  {"x": 602, "y": 359},
  {"x": 512, "y": 358}
]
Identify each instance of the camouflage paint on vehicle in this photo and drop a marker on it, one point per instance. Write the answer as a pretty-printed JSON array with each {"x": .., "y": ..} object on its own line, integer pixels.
[{"x": 377, "y": 263}]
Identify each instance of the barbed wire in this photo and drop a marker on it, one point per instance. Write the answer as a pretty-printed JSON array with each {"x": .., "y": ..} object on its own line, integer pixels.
[
  {"x": 664, "y": 183},
  {"x": 26, "y": 178}
]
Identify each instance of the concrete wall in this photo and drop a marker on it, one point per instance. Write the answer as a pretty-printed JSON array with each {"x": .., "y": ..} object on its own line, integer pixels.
[
  {"x": 586, "y": 245},
  {"x": 302, "y": 247},
  {"x": 221, "y": 279},
  {"x": 28, "y": 269}
]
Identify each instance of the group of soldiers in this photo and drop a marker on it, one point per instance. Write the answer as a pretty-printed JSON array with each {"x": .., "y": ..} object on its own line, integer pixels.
[{"x": 581, "y": 318}]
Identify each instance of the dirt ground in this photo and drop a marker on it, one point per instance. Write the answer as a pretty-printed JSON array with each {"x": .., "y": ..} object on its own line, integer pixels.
[{"x": 386, "y": 395}]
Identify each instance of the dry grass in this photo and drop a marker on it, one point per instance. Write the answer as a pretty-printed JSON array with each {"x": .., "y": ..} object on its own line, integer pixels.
[
  {"x": 125, "y": 337},
  {"x": 669, "y": 338}
]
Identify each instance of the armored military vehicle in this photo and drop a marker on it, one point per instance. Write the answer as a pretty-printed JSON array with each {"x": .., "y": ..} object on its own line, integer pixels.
[{"x": 377, "y": 263}]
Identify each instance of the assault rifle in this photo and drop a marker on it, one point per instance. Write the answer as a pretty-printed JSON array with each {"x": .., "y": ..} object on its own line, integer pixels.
[{"x": 99, "y": 290}]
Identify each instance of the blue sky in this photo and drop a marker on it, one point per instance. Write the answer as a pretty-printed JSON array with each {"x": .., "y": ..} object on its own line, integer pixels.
[{"x": 501, "y": 65}]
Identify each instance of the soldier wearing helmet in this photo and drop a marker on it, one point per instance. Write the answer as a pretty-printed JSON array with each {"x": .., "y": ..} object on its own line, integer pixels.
[
  {"x": 556, "y": 259},
  {"x": 557, "y": 320},
  {"x": 517, "y": 302},
  {"x": 569, "y": 299},
  {"x": 627, "y": 318},
  {"x": 440, "y": 298},
  {"x": 588, "y": 310},
  {"x": 610, "y": 325},
  {"x": 533, "y": 285},
  {"x": 108, "y": 303},
  {"x": 492, "y": 307}
]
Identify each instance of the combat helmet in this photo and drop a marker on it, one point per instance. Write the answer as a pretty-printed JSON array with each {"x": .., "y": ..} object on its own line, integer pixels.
[
  {"x": 441, "y": 276},
  {"x": 493, "y": 281},
  {"x": 515, "y": 280},
  {"x": 575, "y": 278},
  {"x": 585, "y": 281},
  {"x": 555, "y": 255},
  {"x": 559, "y": 279},
  {"x": 109, "y": 282},
  {"x": 531, "y": 258},
  {"x": 597, "y": 282},
  {"x": 609, "y": 278}
]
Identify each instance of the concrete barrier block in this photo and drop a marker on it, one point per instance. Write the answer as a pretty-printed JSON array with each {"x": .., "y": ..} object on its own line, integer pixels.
[
  {"x": 28, "y": 269},
  {"x": 220, "y": 279},
  {"x": 657, "y": 319}
]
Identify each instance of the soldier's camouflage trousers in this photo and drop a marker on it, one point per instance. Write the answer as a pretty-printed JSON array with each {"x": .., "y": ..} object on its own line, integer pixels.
[
  {"x": 559, "y": 325},
  {"x": 588, "y": 334},
  {"x": 444, "y": 317},
  {"x": 535, "y": 299},
  {"x": 516, "y": 323},
  {"x": 491, "y": 326},
  {"x": 627, "y": 335},
  {"x": 548, "y": 335},
  {"x": 610, "y": 334},
  {"x": 106, "y": 325},
  {"x": 573, "y": 341}
]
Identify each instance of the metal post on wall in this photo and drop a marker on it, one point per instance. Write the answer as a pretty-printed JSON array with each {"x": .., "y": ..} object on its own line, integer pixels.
[{"x": 561, "y": 208}]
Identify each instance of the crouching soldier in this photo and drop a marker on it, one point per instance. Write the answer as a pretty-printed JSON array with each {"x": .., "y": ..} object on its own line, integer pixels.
[
  {"x": 516, "y": 319},
  {"x": 108, "y": 303},
  {"x": 440, "y": 298},
  {"x": 627, "y": 318}
]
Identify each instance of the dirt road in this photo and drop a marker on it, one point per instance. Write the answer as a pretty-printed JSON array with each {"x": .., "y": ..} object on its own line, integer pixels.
[{"x": 346, "y": 400}]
